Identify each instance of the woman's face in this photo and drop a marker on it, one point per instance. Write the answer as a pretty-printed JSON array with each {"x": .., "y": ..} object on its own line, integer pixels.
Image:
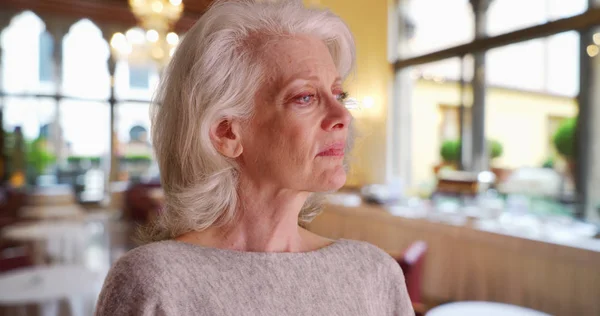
[{"x": 297, "y": 136}]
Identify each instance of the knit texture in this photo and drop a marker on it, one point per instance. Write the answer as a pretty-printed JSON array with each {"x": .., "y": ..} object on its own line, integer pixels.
[{"x": 177, "y": 278}]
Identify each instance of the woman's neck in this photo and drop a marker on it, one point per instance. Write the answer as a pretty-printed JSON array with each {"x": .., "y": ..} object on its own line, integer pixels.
[{"x": 266, "y": 221}]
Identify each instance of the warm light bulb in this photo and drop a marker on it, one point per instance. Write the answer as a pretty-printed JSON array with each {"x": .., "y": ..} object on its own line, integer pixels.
[
  {"x": 152, "y": 36},
  {"x": 175, "y": 2},
  {"x": 135, "y": 36},
  {"x": 593, "y": 50},
  {"x": 438, "y": 79},
  {"x": 172, "y": 38},
  {"x": 157, "y": 6},
  {"x": 117, "y": 40},
  {"x": 119, "y": 43},
  {"x": 596, "y": 38},
  {"x": 368, "y": 102}
]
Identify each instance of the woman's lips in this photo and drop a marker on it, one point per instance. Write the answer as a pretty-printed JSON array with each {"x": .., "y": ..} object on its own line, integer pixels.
[{"x": 335, "y": 150}]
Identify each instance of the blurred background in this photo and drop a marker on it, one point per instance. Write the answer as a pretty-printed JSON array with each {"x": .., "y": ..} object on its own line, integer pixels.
[{"x": 479, "y": 124}]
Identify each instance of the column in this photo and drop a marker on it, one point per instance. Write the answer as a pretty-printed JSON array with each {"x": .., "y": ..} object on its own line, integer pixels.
[
  {"x": 5, "y": 18},
  {"x": 57, "y": 28},
  {"x": 588, "y": 129},
  {"x": 107, "y": 32},
  {"x": 401, "y": 29},
  {"x": 479, "y": 155}
]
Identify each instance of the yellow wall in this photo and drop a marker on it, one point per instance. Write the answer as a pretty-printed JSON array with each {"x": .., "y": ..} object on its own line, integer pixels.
[
  {"x": 519, "y": 120},
  {"x": 368, "y": 21}
]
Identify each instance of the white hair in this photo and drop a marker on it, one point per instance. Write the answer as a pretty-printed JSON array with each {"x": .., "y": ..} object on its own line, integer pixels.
[{"x": 215, "y": 74}]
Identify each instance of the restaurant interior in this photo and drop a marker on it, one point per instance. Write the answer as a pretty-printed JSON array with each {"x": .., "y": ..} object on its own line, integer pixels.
[{"x": 478, "y": 127}]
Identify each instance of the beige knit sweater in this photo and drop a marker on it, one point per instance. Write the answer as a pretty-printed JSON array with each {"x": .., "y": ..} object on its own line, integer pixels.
[{"x": 175, "y": 278}]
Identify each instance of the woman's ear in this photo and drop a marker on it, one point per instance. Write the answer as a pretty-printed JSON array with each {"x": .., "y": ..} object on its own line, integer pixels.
[{"x": 226, "y": 137}]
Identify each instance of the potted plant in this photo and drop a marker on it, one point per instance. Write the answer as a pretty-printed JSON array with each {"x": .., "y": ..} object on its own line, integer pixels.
[
  {"x": 39, "y": 158},
  {"x": 549, "y": 163},
  {"x": 564, "y": 142},
  {"x": 496, "y": 150},
  {"x": 450, "y": 153}
]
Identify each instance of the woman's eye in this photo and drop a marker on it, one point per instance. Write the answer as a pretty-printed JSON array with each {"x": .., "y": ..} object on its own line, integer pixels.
[{"x": 305, "y": 99}]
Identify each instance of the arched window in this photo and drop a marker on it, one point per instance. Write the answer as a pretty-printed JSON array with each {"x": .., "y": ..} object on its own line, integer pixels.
[
  {"x": 21, "y": 54},
  {"x": 85, "y": 56}
]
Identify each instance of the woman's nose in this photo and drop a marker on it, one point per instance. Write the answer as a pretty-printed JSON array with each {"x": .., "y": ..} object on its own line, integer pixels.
[{"x": 338, "y": 117}]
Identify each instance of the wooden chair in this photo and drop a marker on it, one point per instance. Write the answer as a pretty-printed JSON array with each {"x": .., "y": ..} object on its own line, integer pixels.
[
  {"x": 412, "y": 262},
  {"x": 15, "y": 256}
]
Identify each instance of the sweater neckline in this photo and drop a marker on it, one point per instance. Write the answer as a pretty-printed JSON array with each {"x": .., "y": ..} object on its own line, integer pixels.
[{"x": 335, "y": 244}]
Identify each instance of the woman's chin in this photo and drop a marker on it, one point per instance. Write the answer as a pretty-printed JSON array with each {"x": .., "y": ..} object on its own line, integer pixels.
[{"x": 332, "y": 181}]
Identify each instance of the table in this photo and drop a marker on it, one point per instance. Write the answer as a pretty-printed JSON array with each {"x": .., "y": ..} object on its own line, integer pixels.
[
  {"x": 43, "y": 230},
  {"x": 47, "y": 286},
  {"x": 51, "y": 212},
  {"x": 482, "y": 308},
  {"x": 53, "y": 195},
  {"x": 64, "y": 240},
  {"x": 466, "y": 263}
]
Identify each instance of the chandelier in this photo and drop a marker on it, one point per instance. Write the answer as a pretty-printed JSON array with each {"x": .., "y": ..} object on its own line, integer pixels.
[{"x": 154, "y": 39}]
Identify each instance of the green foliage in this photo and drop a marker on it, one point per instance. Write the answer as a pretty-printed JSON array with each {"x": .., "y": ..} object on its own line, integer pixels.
[
  {"x": 496, "y": 149},
  {"x": 78, "y": 159},
  {"x": 37, "y": 155},
  {"x": 549, "y": 163},
  {"x": 450, "y": 151},
  {"x": 138, "y": 158},
  {"x": 564, "y": 138}
]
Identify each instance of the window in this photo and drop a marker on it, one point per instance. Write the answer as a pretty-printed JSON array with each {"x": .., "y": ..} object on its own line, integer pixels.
[
  {"x": 46, "y": 48},
  {"x": 139, "y": 77},
  {"x": 435, "y": 97},
  {"x": 547, "y": 65},
  {"x": 439, "y": 24},
  {"x": 510, "y": 15},
  {"x": 135, "y": 149},
  {"x": 450, "y": 121},
  {"x": 529, "y": 82},
  {"x": 36, "y": 118},
  {"x": 85, "y": 71},
  {"x": 531, "y": 87},
  {"x": 21, "y": 54}
]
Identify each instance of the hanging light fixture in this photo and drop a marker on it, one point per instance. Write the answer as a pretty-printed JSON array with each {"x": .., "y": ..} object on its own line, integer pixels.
[{"x": 154, "y": 39}]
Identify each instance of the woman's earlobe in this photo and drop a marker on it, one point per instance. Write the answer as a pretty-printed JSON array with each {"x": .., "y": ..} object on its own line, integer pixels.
[
  {"x": 239, "y": 149},
  {"x": 225, "y": 137}
]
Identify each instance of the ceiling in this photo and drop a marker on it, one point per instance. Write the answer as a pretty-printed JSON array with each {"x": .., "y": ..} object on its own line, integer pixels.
[{"x": 103, "y": 12}]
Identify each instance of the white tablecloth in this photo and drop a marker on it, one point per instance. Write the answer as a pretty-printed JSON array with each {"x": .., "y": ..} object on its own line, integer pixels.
[
  {"x": 482, "y": 308},
  {"x": 64, "y": 241},
  {"x": 46, "y": 286}
]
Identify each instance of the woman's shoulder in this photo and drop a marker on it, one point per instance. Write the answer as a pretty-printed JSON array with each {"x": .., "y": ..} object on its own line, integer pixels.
[
  {"x": 139, "y": 278},
  {"x": 153, "y": 251},
  {"x": 153, "y": 263},
  {"x": 382, "y": 274},
  {"x": 144, "y": 262},
  {"x": 369, "y": 254}
]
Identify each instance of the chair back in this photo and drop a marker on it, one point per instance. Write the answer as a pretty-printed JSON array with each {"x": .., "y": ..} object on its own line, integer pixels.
[{"x": 412, "y": 262}]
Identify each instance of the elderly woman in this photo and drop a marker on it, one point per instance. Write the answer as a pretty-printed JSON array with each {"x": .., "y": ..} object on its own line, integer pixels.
[{"x": 249, "y": 127}]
